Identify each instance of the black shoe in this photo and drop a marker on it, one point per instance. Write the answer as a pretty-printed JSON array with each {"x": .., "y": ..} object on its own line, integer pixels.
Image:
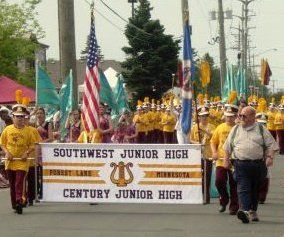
[
  {"x": 243, "y": 216},
  {"x": 222, "y": 209},
  {"x": 19, "y": 209},
  {"x": 31, "y": 203}
]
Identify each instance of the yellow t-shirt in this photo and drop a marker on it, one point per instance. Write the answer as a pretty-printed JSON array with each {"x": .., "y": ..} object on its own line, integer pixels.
[
  {"x": 168, "y": 122},
  {"x": 215, "y": 117},
  {"x": 17, "y": 142},
  {"x": 151, "y": 118},
  {"x": 141, "y": 121},
  {"x": 36, "y": 138},
  {"x": 91, "y": 137},
  {"x": 271, "y": 120},
  {"x": 218, "y": 138},
  {"x": 279, "y": 121},
  {"x": 205, "y": 138},
  {"x": 159, "y": 125}
]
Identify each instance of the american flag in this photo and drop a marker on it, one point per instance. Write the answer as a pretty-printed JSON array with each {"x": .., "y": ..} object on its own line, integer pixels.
[{"x": 90, "y": 108}]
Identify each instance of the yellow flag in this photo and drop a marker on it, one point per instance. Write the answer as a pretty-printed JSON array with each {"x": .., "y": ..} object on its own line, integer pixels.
[{"x": 205, "y": 73}]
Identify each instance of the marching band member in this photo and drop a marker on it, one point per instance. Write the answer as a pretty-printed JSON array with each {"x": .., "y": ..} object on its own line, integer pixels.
[
  {"x": 205, "y": 131},
  {"x": 140, "y": 121},
  {"x": 222, "y": 174},
  {"x": 94, "y": 136},
  {"x": 105, "y": 126},
  {"x": 279, "y": 122},
  {"x": 264, "y": 187},
  {"x": 17, "y": 143},
  {"x": 73, "y": 126},
  {"x": 272, "y": 110},
  {"x": 31, "y": 192},
  {"x": 168, "y": 121}
]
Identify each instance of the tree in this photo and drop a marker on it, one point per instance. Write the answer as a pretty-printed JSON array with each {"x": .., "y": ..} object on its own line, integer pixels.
[
  {"x": 152, "y": 56},
  {"x": 17, "y": 25}
]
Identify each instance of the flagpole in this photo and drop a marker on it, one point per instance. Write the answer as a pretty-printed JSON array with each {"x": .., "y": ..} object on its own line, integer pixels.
[
  {"x": 185, "y": 14},
  {"x": 36, "y": 77}
]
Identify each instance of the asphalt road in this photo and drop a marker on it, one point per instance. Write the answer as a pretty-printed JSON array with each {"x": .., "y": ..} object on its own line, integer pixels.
[{"x": 134, "y": 220}]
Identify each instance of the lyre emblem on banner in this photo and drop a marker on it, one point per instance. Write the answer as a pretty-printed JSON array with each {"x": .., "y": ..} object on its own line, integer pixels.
[{"x": 121, "y": 181}]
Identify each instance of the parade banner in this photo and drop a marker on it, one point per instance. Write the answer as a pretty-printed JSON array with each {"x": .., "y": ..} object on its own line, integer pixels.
[{"x": 122, "y": 173}]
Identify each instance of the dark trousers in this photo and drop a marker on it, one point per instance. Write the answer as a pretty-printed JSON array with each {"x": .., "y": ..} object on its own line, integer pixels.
[
  {"x": 274, "y": 134},
  {"x": 160, "y": 137},
  {"x": 151, "y": 137},
  {"x": 280, "y": 135},
  {"x": 39, "y": 181},
  {"x": 141, "y": 137},
  {"x": 168, "y": 137},
  {"x": 206, "y": 179},
  {"x": 249, "y": 176},
  {"x": 155, "y": 137},
  {"x": 31, "y": 184},
  {"x": 222, "y": 177},
  {"x": 263, "y": 190},
  {"x": 17, "y": 186}
]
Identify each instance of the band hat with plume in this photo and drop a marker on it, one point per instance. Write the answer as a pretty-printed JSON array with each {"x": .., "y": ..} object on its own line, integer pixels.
[
  {"x": 261, "y": 117},
  {"x": 19, "y": 109},
  {"x": 4, "y": 108},
  {"x": 231, "y": 109},
  {"x": 203, "y": 110}
]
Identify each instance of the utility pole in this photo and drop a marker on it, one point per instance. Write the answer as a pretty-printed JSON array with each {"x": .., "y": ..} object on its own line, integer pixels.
[
  {"x": 67, "y": 47},
  {"x": 132, "y": 7},
  {"x": 273, "y": 85},
  {"x": 184, "y": 10},
  {"x": 245, "y": 17},
  {"x": 222, "y": 45}
]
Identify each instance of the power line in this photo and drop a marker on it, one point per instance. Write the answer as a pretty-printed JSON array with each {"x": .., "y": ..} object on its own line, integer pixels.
[
  {"x": 129, "y": 23},
  {"x": 113, "y": 24}
]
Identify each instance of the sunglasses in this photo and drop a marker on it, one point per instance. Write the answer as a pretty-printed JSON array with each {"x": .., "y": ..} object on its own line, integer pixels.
[
  {"x": 243, "y": 116},
  {"x": 19, "y": 116}
]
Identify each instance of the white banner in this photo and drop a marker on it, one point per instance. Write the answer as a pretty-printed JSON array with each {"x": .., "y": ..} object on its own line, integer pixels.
[{"x": 122, "y": 173}]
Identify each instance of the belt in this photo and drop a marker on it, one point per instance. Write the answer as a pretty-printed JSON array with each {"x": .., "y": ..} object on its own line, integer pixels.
[{"x": 250, "y": 161}]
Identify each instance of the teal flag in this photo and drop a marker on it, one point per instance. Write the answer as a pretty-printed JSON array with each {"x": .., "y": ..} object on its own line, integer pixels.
[
  {"x": 233, "y": 86},
  {"x": 46, "y": 91},
  {"x": 67, "y": 103},
  {"x": 242, "y": 82},
  {"x": 120, "y": 95},
  {"x": 106, "y": 94},
  {"x": 227, "y": 85}
]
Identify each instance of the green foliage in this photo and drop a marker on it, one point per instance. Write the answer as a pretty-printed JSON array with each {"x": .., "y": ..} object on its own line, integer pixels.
[
  {"x": 152, "y": 56},
  {"x": 277, "y": 96},
  {"x": 17, "y": 24}
]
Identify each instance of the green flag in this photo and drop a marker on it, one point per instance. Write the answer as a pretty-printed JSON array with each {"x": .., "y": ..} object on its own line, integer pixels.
[
  {"x": 106, "y": 94},
  {"x": 46, "y": 91},
  {"x": 67, "y": 103},
  {"x": 120, "y": 95}
]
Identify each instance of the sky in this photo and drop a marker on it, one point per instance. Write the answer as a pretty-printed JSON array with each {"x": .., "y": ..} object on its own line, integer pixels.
[{"x": 267, "y": 35}]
